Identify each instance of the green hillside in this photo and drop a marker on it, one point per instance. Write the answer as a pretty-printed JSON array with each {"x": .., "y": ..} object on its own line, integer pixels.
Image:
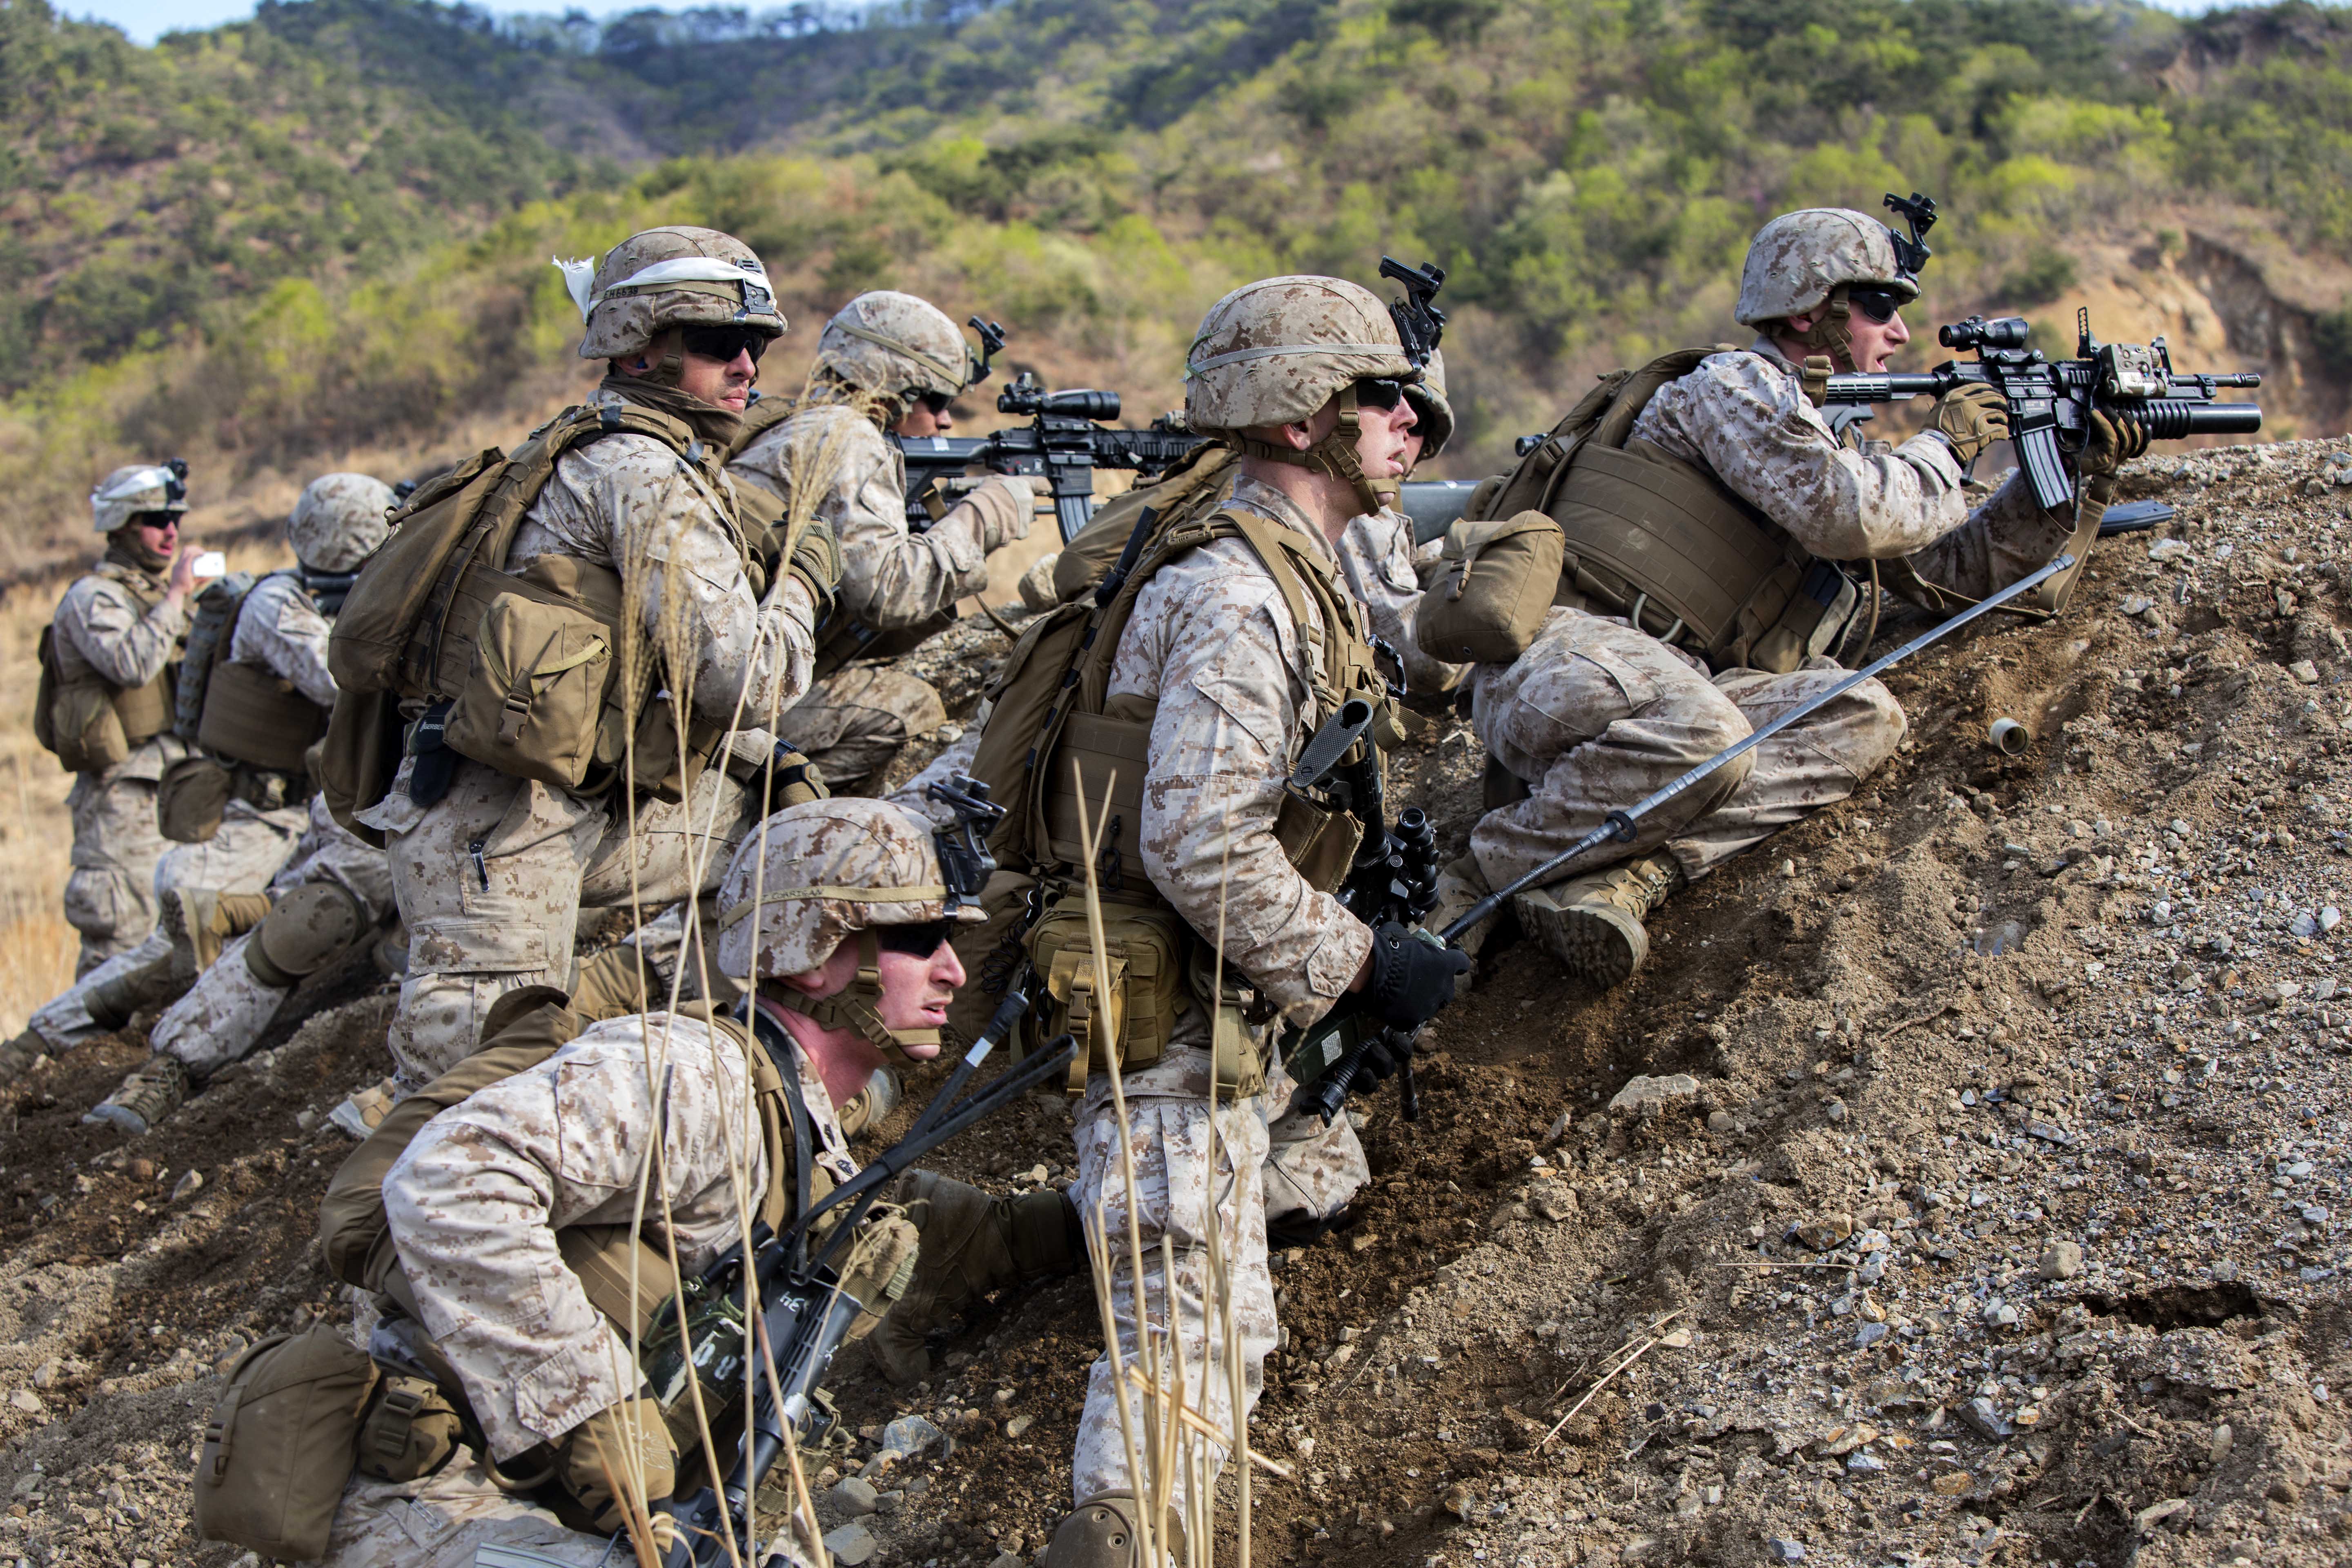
[{"x": 270, "y": 243}]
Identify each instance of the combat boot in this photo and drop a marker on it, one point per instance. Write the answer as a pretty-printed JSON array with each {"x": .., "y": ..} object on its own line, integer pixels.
[
  {"x": 1100, "y": 1532},
  {"x": 17, "y": 1056},
  {"x": 1594, "y": 924},
  {"x": 363, "y": 1113},
  {"x": 145, "y": 1099},
  {"x": 973, "y": 1244}
]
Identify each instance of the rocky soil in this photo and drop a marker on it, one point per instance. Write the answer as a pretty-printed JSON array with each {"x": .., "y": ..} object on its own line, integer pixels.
[{"x": 1963, "y": 1181}]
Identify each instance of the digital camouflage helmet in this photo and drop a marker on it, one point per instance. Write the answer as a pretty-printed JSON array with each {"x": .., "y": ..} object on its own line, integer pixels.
[
  {"x": 898, "y": 346},
  {"x": 1275, "y": 351},
  {"x": 676, "y": 276},
  {"x": 1803, "y": 263},
  {"x": 816, "y": 874},
  {"x": 338, "y": 521}
]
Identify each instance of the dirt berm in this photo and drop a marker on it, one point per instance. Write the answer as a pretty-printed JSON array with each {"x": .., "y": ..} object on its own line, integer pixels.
[{"x": 1964, "y": 1178}]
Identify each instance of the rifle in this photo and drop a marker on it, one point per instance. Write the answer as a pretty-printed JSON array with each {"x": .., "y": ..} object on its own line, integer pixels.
[
  {"x": 1064, "y": 443},
  {"x": 1325, "y": 1094},
  {"x": 2051, "y": 402},
  {"x": 1394, "y": 876}
]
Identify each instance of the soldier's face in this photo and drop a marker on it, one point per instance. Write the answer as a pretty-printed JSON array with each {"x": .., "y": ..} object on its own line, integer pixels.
[
  {"x": 1875, "y": 342},
  {"x": 727, "y": 383},
  {"x": 927, "y": 413},
  {"x": 1385, "y": 444},
  {"x": 917, "y": 989}
]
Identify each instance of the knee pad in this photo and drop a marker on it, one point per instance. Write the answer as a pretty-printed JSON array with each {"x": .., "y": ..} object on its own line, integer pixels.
[{"x": 303, "y": 932}]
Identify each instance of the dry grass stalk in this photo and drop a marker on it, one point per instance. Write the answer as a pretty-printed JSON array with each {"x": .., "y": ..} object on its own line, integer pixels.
[
  {"x": 1209, "y": 1429},
  {"x": 1636, "y": 1353},
  {"x": 634, "y": 1523}
]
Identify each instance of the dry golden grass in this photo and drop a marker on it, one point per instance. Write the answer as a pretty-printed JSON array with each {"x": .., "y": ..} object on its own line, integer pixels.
[{"x": 37, "y": 946}]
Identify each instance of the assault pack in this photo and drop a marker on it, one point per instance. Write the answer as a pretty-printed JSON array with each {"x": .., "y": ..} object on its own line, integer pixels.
[
  {"x": 1650, "y": 537},
  {"x": 251, "y": 729},
  {"x": 542, "y": 674}
]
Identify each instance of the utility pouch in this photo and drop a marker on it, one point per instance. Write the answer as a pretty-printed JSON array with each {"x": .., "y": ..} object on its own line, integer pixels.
[
  {"x": 191, "y": 798},
  {"x": 281, "y": 1444},
  {"x": 534, "y": 695},
  {"x": 410, "y": 1430},
  {"x": 1495, "y": 584},
  {"x": 1237, "y": 1064},
  {"x": 1136, "y": 1004}
]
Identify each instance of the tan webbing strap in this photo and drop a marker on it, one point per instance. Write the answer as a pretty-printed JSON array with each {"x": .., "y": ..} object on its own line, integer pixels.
[{"x": 2091, "y": 499}]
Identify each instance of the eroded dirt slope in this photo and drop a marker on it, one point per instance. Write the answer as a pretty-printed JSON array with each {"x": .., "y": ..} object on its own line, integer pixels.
[{"x": 1998, "y": 1220}]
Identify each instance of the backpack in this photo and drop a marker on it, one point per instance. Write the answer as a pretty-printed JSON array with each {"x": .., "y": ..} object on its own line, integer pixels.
[
  {"x": 539, "y": 697},
  {"x": 1196, "y": 480}
]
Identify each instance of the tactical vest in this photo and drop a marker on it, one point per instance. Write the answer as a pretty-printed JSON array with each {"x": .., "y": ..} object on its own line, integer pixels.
[
  {"x": 88, "y": 721},
  {"x": 1664, "y": 543},
  {"x": 252, "y": 715},
  {"x": 1054, "y": 724}
]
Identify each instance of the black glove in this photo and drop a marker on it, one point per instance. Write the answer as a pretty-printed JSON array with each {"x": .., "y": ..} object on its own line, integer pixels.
[
  {"x": 1411, "y": 980},
  {"x": 1384, "y": 1054}
]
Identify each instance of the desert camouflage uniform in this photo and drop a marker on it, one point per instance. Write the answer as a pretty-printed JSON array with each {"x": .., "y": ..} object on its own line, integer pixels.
[
  {"x": 854, "y": 720},
  {"x": 1377, "y": 553},
  {"x": 1745, "y": 417},
  {"x": 1212, "y": 644},
  {"x": 1596, "y": 715},
  {"x": 223, "y": 1015},
  {"x": 102, "y": 626},
  {"x": 491, "y": 877},
  {"x": 562, "y": 1144},
  {"x": 279, "y": 629}
]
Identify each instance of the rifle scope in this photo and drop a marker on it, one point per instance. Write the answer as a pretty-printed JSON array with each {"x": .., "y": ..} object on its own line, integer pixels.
[
  {"x": 1083, "y": 402},
  {"x": 1975, "y": 332}
]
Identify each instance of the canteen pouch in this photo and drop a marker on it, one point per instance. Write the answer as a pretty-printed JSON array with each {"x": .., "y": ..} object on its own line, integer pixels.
[
  {"x": 191, "y": 798},
  {"x": 281, "y": 1444},
  {"x": 410, "y": 1430},
  {"x": 534, "y": 695},
  {"x": 1494, "y": 586},
  {"x": 1137, "y": 1003}
]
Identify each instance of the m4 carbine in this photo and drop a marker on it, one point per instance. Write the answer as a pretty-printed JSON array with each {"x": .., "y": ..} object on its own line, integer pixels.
[
  {"x": 2051, "y": 402},
  {"x": 1066, "y": 442},
  {"x": 1394, "y": 876}
]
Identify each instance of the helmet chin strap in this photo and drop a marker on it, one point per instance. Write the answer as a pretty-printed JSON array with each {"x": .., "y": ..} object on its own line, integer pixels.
[
  {"x": 1829, "y": 333},
  {"x": 1334, "y": 454},
  {"x": 858, "y": 1006}
]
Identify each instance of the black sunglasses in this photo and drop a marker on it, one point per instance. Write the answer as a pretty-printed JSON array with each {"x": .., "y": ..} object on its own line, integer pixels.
[
  {"x": 936, "y": 402},
  {"x": 1379, "y": 391},
  {"x": 914, "y": 941},
  {"x": 1877, "y": 303},
  {"x": 723, "y": 344}
]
